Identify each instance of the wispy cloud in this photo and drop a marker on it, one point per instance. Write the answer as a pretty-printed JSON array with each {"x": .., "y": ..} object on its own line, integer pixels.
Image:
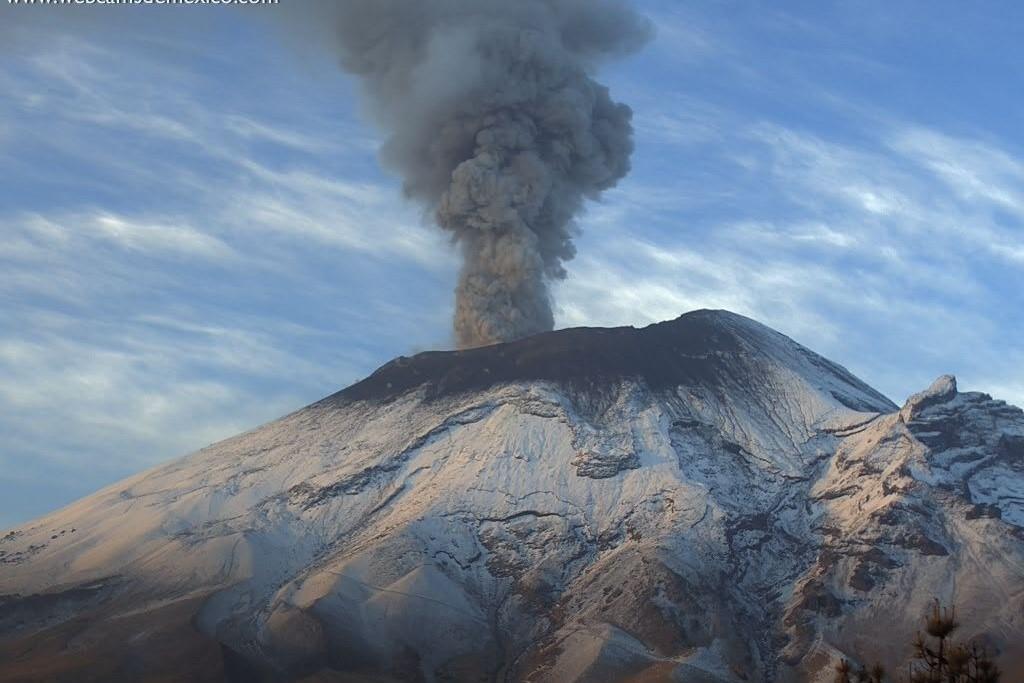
[
  {"x": 974, "y": 170},
  {"x": 153, "y": 237}
]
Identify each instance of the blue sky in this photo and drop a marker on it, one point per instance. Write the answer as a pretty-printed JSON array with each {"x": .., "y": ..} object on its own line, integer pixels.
[{"x": 196, "y": 237}]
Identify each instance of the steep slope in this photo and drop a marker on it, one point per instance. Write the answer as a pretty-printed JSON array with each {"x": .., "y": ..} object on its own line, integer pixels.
[
  {"x": 703, "y": 498},
  {"x": 924, "y": 503}
]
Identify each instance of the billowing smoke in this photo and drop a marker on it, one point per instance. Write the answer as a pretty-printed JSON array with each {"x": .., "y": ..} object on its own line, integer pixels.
[{"x": 495, "y": 123}]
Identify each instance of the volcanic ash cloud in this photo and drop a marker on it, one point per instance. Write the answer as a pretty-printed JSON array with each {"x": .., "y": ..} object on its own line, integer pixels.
[{"x": 495, "y": 123}]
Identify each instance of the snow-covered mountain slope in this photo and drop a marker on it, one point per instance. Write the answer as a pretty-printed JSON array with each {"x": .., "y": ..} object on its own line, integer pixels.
[{"x": 699, "y": 500}]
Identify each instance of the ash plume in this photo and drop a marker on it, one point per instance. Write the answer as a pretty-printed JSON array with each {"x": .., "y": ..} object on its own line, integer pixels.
[{"x": 495, "y": 123}]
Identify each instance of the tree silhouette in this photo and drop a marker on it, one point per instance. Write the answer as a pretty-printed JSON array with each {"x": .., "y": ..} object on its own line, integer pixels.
[
  {"x": 939, "y": 659},
  {"x": 846, "y": 674},
  {"x": 942, "y": 660}
]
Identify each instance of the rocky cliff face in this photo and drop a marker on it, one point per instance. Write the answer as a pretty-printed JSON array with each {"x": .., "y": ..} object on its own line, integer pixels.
[{"x": 702, "y": 499}]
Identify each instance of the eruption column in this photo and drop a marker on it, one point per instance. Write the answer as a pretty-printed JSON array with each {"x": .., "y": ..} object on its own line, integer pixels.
[{"x": 496, "y": 125}]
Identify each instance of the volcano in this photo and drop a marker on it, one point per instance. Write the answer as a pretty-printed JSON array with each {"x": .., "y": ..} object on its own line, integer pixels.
[{"x": 699, "y": 500}]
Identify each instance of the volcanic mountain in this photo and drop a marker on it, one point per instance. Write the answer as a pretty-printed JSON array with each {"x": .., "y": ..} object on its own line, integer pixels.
[{"x": 699, "y": 500}]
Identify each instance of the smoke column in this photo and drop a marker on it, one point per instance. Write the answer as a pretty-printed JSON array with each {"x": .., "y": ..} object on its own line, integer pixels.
[{"x": 495, "y": 123}]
